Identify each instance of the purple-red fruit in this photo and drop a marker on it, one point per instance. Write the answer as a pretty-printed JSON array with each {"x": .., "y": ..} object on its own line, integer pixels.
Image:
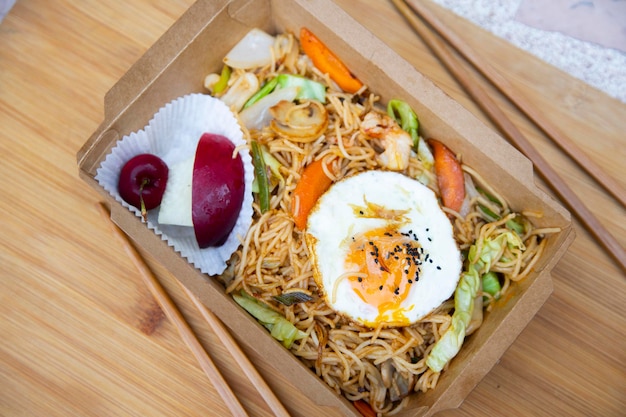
[
  {"x": 142, "y": 182},
  {"x": 217, "y": 190}
]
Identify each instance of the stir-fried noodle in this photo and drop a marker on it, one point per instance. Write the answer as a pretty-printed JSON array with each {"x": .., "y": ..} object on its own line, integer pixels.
[{"x": 380, "y": 365}]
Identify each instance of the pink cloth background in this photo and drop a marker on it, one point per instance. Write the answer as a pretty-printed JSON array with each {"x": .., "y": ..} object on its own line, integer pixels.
[{"x": 599, "y": 21}]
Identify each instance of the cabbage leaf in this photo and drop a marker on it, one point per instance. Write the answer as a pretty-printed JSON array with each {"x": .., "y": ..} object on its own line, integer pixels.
[
  {"x": 280, "y": 328},
  {"x": 451, "y": 341}
]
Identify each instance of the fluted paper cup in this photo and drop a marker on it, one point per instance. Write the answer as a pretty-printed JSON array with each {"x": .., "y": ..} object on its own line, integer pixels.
[{"x": 173, "y": 135}]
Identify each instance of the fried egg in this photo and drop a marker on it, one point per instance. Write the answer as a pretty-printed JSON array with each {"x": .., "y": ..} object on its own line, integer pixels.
[{"x": 382, "y": 249}]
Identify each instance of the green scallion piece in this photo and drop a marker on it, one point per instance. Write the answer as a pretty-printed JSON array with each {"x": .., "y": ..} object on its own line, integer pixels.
[
  {"x": 265, "y": 90},
  {"x": 260, "y": 173},
  {"x": 222, "y": 83},
  {"x": 291, "y": 298}
]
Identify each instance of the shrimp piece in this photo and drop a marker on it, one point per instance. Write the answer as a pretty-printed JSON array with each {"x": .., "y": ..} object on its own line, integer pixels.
[{"x": 396, "y": 141}]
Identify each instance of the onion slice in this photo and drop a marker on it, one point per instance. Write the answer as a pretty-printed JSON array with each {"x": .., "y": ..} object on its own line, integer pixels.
[
  {"x": 253, "y": 50},
  {"x": 258, "y": 115}
]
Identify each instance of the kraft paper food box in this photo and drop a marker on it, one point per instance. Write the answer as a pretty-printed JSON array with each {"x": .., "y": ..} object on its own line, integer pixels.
[{"x": 194, "y": 46}]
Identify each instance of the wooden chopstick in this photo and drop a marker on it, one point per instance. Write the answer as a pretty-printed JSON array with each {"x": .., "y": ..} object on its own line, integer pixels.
[
  {"x": 172, "y": 312},
  {"x": 248, "y": 368},
  {"x": 482, "y": 99},
  {"x": 532, "y": 112}
]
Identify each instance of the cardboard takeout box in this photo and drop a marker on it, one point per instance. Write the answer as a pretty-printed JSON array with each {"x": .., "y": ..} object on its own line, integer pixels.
[{"x": 194, "y": 46}]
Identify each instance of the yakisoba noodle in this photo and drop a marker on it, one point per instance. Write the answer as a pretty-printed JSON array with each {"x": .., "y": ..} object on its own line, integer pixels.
[{"x": 380, "y": 365}]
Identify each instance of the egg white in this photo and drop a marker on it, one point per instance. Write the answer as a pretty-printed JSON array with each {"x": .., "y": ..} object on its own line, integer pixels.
[{"x": 334, "y": 222}]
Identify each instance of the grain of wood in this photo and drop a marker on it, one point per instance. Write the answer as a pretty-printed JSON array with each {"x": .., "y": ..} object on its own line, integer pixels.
[
  {"x": 240, "y": 357},
  {"x": 174, "y": 315},
  {"x": 518, "y": 98}
]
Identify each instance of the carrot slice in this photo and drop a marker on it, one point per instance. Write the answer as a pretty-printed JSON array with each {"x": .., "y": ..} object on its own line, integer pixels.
[
  {"x": 313, "y": 183},
  {"x": 449, "y": 176},
  {"x": 327, "y": 62},
  {"x": 364, "y": 408}
]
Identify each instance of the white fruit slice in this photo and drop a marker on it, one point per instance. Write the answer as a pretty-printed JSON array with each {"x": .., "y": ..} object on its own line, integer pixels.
[{"x": 175, "y": 206}]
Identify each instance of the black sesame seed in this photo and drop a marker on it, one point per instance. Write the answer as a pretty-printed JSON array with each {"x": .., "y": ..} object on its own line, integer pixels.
[
  {"x": 380, "y": 288},
  {"x": 430, "y": 240},
  {"x": 410, "y": 281},
  {"x": 360, "y": 279},
  {"x": 439, "y": 268}
]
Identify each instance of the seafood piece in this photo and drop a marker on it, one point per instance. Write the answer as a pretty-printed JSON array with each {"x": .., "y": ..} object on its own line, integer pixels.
[{"x": 397, "y": 142}]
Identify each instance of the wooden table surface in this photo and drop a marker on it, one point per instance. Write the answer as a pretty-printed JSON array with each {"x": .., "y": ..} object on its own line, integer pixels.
[{"x": 80, "y": 334}]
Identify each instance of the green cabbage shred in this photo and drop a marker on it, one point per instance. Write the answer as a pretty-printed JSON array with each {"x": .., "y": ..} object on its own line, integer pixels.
[
  {"x": 480, "y": 264},
  {"x": 280, "y": 328}
]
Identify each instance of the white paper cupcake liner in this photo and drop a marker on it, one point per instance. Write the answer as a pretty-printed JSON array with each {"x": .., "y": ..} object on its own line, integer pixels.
[{"x": 173, "y": 135}]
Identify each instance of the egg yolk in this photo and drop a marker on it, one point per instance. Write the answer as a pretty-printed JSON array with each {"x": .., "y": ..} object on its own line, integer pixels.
[{"x": 386, "y": 262}]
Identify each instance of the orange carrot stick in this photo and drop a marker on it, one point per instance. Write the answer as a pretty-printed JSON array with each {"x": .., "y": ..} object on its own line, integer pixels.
[
  {"x": 313, "y": 183},
  {"x": 327, "y": 62},
  {"x": 364, "y": 408},
  {"x": 449, "y": 176}
]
